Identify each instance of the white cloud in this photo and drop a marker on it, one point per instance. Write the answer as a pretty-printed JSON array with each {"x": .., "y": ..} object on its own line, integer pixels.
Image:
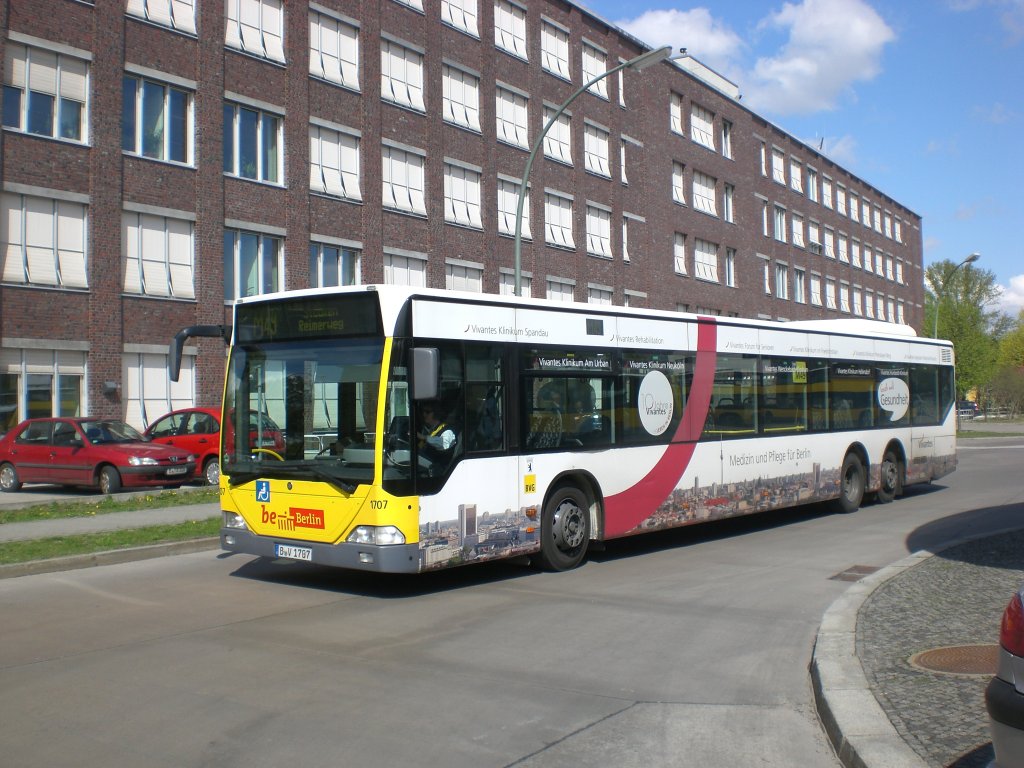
[
  {"x": 1011, "y": 300},
  {"x": 832, "y": 44},
  {"x": 704, "y": 37}
]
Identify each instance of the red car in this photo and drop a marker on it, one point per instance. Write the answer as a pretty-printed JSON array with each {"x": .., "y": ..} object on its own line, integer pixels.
[
  {"x": 101, "y": 453},
  {"x": 197, "y": 430}
]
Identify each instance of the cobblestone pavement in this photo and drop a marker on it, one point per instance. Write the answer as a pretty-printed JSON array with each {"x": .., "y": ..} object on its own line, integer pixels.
[{"x": 955, "y": 598}]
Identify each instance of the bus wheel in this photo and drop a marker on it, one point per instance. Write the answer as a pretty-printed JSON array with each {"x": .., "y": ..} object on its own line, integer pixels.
[
  {"x": 564, "y": 529},
  {"x": 892, "y": 478},
  {"x": 851, "y": 484}
]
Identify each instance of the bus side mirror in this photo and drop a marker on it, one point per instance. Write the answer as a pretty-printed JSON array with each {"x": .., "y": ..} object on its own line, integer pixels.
[{"x": 426, "y": 373}]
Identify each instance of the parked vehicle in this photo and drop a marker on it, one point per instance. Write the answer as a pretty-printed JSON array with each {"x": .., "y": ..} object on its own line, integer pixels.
[
  {"x": 1004, "y": 697},
  {"x": 99, "y": 453},
  {"x": 967, "y": 409},
  {"x": 198, "y": 430}
]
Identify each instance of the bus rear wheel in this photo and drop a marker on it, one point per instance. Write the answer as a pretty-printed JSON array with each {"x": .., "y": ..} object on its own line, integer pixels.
[
  {"x": 851, "y": 484},
  {"x": 564, "y": 529},
  {"x": 892, "y": 478}
]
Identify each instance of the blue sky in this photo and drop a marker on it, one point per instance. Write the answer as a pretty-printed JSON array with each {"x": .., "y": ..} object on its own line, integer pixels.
[{"x": 924, "y": 99}]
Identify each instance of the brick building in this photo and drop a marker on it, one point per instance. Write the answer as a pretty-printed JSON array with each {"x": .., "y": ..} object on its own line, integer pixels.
[{"x": 162, "y": 157}]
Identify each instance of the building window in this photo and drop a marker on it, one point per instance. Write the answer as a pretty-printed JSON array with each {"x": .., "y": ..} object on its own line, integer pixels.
[
  {"x": 43, "y": 241},
  {"x": 876, "y": 220},
  {"x": 858, "y": 308},
  {"x": 561, "y": 290},
  {"x": 766, "y": 269},
  {"x": 176, "y": 14},
  {"x": 899, "y": 271},
  {"x": 705, "y": 260},
  {"x": 730, "y": 267},
  {"x": 256, "y": 27},
  {"x": 253, "y": 264},
  {"x": 782, "y": 282},
  {"x": 844, "y": 298},
  {"x": 704, "y": 193},
  {"x": 461, "y": 14},
  {"x": 830, "y": 293},
  {"x": 841, "y": 241},
  {"x": 679, "y": 253},
  {"x": 554, "y": 50},
  {"x": 331, "y": 265},
  {"x": 702, "y": 126},
  {"x": 462, "y": 196},
  {"x": 461, "y": 97},
  {"x": 39, "y": 383},
  {"x": 826, "y": 192},
  {"x": 728, "y": 197},
  {"x": 816, "y": 290},
  {"x": 45, "y": 92},
  {"x": 558, "y": 140},
  {"x": 599, "y": 295},
  {"x": 593, "y": 65},
  {"x": 799, "y": 286},
  {"x": 855, "y": 253},
  {"x": 405, "y": 270},
  {"x": 879, "y": 268},
  {"x": 854, "y": 207},
  {"x": 404, "y": 184},
  {"x": 726, "y": 139},
  {"x": 622, "y": 161},
  {"x": 252, "y": 143},
  {"x": 796, "y": 176},
  {"x": 401, "y": 75},
  {"x": 510, "y": 111},
  {"x": 558, "y": 220},
  {"x": 333, "y": 50},
  {"x": 414, "y": 4},
  {"x": 599, "y": 232},
  {"x": 508, "y": 201},
  {"x": 814, "y": 236},
  {"x": 867, "y": 258},
  {"x": 812, "y": 185},
  {"x": 780, "y": 224},
  {"x": 797, "y": 223},
  {"x": 676, "y": 114},
  {"x": 764, "y": 219},
  {"x": 156, "y": 120},
  {"x": 841, "y": 201},
  {"x": 334, "y": 163},
  {"x": 510, "y": 28},
  {"x": 625, "y": 238},
  {"x": 887, "y": 226},
  {"x": 464, "y": 277},
  {"x": 900, "y": 318},
  {"x": 595, "y": 150},
  {"x": 890, "y": 266},
  {"x": 898, "y": 231},
  {"x": 159, "y": 255},
  {"x": 778, "y": 166},
  {"x": 507, "y": 283},
  {"x": 869, "y": 304},
  {"x": 678, "y": 183}
]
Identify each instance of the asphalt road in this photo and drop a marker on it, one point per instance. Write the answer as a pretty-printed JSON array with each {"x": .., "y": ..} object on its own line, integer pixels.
[{"x": 678, "y": 649}]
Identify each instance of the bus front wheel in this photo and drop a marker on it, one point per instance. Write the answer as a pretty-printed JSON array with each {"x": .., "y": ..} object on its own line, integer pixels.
[
  {"x": 892, "y": 478},
  {"x": 851, "y": 484},
  {"x": 564, "y": 529}
]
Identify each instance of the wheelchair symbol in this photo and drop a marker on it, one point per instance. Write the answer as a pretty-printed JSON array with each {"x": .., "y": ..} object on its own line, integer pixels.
[{"x": 263, "y": 490}]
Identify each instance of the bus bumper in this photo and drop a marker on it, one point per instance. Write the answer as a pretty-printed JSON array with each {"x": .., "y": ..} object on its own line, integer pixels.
[{"x": 393, "y": 558}]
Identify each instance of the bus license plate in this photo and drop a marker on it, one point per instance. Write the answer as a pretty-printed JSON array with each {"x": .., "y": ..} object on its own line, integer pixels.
[
  {"x": 293, "y": 553},
  {"x": 176, "y": 470}
]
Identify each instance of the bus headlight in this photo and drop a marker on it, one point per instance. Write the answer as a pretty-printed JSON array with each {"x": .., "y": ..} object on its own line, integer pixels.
[
  {"x": 376, "y": 534},
  {"x": 233, "y": 520}
]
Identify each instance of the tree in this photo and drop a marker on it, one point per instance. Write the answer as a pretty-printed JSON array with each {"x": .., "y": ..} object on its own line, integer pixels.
[
  {"x": 1011, "y": 346},
  {"x": 965, "y": 299}
]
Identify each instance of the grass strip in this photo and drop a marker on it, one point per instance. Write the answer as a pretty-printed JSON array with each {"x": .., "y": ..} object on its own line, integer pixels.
[
  {"x": 88, "y": 543},
  {"x": 61, "y": 509}
]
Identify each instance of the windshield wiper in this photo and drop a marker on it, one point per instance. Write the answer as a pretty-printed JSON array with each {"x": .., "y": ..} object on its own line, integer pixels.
[{"x": 292, "y": 470}]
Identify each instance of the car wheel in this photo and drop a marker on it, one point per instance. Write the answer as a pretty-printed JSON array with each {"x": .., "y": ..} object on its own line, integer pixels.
[
  {"x": 110, "y": 480},
  {"x": 851, "y": 484},
  {"x": 9, "y": 481},
  {"x": 211, "y": 471},
  {"x": 892, "y": 479},
  {"x": 564, "y": 529}
]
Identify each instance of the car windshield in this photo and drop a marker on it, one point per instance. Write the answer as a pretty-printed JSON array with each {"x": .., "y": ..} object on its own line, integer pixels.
[
  {"x": 101, "y": 432},
  {"x": 302, "y": 409}
]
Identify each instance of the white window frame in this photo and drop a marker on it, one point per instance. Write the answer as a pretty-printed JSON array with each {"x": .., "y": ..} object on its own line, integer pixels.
[
  {"x": 158, "y": 255},
  {"x": 510, "y": 28},
  {"x": 705, "y": 260},
  {"x": 410, "y": 266},
  {"x": 273, "y": 262},
  {"x": 799, "y": 286},
  {"x": 462, "y": 15},
  {"x": 558, "y": 215},
  {"x": 165, "y": 118},
  {"x": 595, "y": 149},
  {"x": 560, "y": 289},
  {"x": 600, "y": 294},
  {"x": 463, "y": 276},
  {"x": 460, "y": 97},
  {"x": 679, "y": 253},
  {"x": 594, "y": 63},
  {"x": 554, "y": 50},
  {"x": 335, "y": 258},
  {"x": 730, "y": 267},
  {"x": 334, "y": 162},
  {"x": 780, "y": 223},
  {"x": 462, "y": 185},
  {"x": 857, "y": 300},
  {"x": 704, "y": 195},
  {"x": 262, "y": 173},
  {"x": 815, "y": 290},
  {"x": 33, "y": 72},
  {"x": 511, "y": 116},
  {"x": 830, "y": 293},
  {"x": 176, "y": 14},
  {"x": 45, "y": 240},
  {"x": 334, "y": 50},
  {"x": 844, "y": 297},
  {"x": 508, "y": 201},
  {"x": 558, "y": 139},
  {"x": 401, "y": 75},
  {"x": 599, "y": 231},
  {"x": 781, "y": 281},
  {"x": 797, "y": 225},
  {"x": 403, "y": 180},
  {"x": 778, "y": 166},
  {"x": 678, "y": 182},
  {"x": 727, "y": 139},
  {"x": 256, "y": 27},
  {"x": 702, "y": 126},
  {"x": 796, "y": 176},
  {"x": 675, "y": 113}
]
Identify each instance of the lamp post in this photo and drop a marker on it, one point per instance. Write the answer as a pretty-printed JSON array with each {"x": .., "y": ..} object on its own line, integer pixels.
[
  {"x": 642, "y": 61},
  {"x": 940, "y": 290}
]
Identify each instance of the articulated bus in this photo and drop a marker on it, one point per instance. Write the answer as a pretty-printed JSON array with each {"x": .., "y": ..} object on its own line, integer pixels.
[{"x": 425, "y": 429}]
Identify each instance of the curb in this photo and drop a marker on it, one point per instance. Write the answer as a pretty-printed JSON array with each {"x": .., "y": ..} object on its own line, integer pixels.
[
  {"x": 855, "y": 723},
  {"x": 111, "y": 557}
]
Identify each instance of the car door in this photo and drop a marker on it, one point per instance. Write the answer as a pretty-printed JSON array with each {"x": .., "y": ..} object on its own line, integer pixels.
[
  {"x": 69, "y": 461},
  {"x": 200, "y": 436},
  {"x": 30, "y": 452}
]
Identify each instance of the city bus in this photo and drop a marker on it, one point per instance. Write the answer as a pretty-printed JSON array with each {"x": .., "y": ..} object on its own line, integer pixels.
[{"x": 425, "y": 429}]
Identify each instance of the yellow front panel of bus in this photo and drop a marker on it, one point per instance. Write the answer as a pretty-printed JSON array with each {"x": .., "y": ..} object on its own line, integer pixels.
[{"x": 291, "y": 509}]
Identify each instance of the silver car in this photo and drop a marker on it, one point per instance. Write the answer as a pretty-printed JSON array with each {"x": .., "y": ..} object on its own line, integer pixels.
[{"x": 1004, "y": 697}]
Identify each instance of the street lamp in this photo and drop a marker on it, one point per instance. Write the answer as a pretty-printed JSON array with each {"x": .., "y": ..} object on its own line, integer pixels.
[
  {"x": 642, "y": 61},
  {"x": 940, "y": 290}
]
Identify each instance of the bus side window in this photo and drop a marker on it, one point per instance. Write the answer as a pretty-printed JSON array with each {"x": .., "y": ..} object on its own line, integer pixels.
[{"x": 485, "y": 399}]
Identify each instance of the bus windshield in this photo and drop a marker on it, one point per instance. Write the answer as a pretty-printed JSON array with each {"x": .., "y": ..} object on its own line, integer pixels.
[{"x": 303, "y": 409}]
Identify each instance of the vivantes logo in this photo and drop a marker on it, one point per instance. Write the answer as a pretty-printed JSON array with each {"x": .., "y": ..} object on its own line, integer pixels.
[
  {"x": 294, "y": 518},
  {"x": 654, "y": 401}
]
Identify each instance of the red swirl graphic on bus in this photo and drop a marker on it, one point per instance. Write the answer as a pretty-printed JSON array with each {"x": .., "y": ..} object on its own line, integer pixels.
[{"x": 626, "y": 510}]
